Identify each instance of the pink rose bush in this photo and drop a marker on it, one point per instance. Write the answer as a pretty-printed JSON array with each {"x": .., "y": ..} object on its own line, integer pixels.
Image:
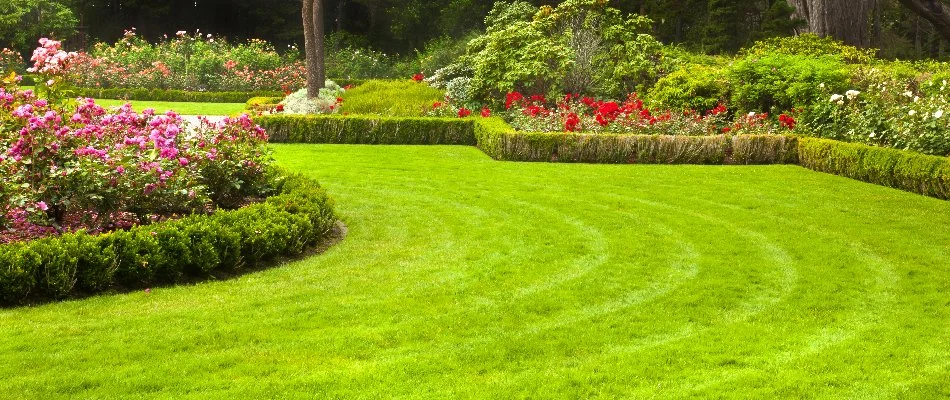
[{"x": 87, "y": 167}]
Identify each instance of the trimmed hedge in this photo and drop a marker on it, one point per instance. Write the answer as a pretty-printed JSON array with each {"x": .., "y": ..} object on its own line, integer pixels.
[
  {"x": 170, "y": 95},
  {"x": 298, "y": 215},
  {"x": 367, "y": 129},
  {"x": 262, "y": 103},
  {"x": 499, "y": 141},
  {"x": 900, "y": 169}
]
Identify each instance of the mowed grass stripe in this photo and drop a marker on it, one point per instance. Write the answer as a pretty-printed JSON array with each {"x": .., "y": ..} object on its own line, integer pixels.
[{"x": 666, "y": 281}]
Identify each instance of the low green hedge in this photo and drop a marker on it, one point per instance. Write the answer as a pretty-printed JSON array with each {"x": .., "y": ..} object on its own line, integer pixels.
[
  {"x": 906, "y": 170},
  {"x": 367, "y": 129},
  {"x": 170, "y": 95},
  {"x": 499, "y": 141},
  {"x": 298, "y": 215},
  {"x": 262, "y": 103}
]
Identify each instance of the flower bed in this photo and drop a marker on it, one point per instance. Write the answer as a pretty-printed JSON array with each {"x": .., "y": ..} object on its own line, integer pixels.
[{"x": 297, "y": 215}]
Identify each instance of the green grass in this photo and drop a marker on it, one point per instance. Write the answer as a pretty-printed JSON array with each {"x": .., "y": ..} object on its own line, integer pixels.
[
  {"x": 182, "y": 108},
  {"x": 405, "y": 98},
  {"x": 466, "y": 277}
]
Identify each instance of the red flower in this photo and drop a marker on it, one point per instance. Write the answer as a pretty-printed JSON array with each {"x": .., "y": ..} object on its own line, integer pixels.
[
  {"x": 570, "y": 124},
  {"x": 538, "y": 98},
  {"x": 347, "y": 87},
  {"x": 464, "y": 112},
  {"x": 418, "y": 77},
  {"x": 279, "y": 108},
  {"x": 436, "y": 104},
  {"x": 726, "y": 129},
  {"x": 787, "y": 121},
  {"x": 511, "y": 98},
  {"x": 486, "y": 112},
  {"x": 339, "y": 99},
  {"x": 533, "y": 111}
]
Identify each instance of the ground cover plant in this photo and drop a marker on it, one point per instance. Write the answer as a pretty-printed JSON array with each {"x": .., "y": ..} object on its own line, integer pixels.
[
  {"x": 466, "y": 277},
  {"x": 398, "y": 98}
]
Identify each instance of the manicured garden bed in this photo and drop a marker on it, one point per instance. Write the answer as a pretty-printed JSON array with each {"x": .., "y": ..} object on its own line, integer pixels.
[{"x": 466, "y": 277}]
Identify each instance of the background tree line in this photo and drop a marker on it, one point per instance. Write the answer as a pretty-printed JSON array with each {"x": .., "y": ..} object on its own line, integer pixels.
[{"x": 900, "y": 28}]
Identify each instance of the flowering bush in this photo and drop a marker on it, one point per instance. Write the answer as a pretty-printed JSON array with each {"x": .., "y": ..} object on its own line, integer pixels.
[
  {"x": 188, "y": 62},
  {"x": 575, "y": 113},
  {"x": 893, "y": 113},
  {"x": 327, "y": 102},
  {"x": 90, "y": 168},
  {"x": 11, "y": 61}
]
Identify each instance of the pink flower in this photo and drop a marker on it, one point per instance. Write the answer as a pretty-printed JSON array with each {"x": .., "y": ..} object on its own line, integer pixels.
[{"x": 42, "y": 205}]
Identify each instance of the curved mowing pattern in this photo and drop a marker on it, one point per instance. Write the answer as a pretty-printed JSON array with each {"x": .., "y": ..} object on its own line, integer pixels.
[{"x": 467, "y": 277}]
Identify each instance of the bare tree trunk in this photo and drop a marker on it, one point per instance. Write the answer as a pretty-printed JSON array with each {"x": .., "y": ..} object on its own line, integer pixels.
[
  {"x": 313, "y": 45},
  {"x": 845, "y": 20},
  {"x": 934, "y": 11}
]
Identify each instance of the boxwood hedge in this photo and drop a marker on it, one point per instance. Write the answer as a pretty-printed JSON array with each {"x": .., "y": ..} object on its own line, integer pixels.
[
  {"x": 367, "y": 129},
  {"x": 298, "y": 215}
]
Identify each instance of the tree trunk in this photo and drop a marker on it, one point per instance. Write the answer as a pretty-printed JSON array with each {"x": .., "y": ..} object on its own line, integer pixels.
[
  {"x": 934, "y": 11},
  {"x": 313, "y": 45},
  {"x": 845, "y": 20}
]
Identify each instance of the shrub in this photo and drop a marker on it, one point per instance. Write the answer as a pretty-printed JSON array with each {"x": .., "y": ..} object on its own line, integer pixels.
[
  {"x": 326, "y": 102},
  {"x": 167, "y": 252},
  {"x": 694, "y": 87},
  {"x": 367, "y": 129},
  {"x": 927, "y": 175},
  {"x": 261, "y": 103},
  {"x": 810, "y": 45},
  {"x": 403, "y": 98},
  {"x": 778, "y": 83}
]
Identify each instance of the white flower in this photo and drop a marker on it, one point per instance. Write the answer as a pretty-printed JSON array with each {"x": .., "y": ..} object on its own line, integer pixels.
[
  {"x": 908, "y": 94},
  {"x": 916, "y": 98},
  {"x": 751, "y": 114},
  {"x": 836, "y": 97},
  {"x": 852, "y": 94},
  {"x": 822, "y": 85},
  {"x": 912, "y": 113},
  {"x": 209, "y": 36},
  {"x": 938, "y": 114},
  {"x": 840, "y": 102},
  {"x": 872, "y": 134},
  {"x": 180, "y": 33}
]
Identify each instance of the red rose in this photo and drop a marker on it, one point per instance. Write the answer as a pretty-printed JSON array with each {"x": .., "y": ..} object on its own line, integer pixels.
[
  {"x": 418, "y": 77},
  {"x": 511, "y": 98},
  {"x": 464, "y": 112},
  {"x": 279, "y": 108},
  {"x": 570, "y": 124},
  {"x": 486, "y": 112}
]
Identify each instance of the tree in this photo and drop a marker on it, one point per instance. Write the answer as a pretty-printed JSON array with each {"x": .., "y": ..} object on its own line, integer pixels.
[
  {"x": 934, "y": 11},
  {"x": 313, "y": 33},
  {"x": 23, "y": 22},
  {"x": 845, "y": 20}
]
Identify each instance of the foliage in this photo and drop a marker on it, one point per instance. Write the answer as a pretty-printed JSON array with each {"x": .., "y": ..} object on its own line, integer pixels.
[
  {"x": 22, "y": 21},
  {"x": 777, "y": 83},
  {"x": 582, "y": 46},
  {"x": 692, "y": 87},
  {"x": 367, "y": 129},
  {"x": 11, "y": 61},
  {"x": 402, "y": 98},
  {"x": 195, "y": 246},
  {"x": 810, "y": 45}
]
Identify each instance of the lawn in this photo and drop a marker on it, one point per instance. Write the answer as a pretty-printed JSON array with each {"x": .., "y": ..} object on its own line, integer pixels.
[
  {"x": 183, "y": 108},
  {"x": 466, "y": 277}
]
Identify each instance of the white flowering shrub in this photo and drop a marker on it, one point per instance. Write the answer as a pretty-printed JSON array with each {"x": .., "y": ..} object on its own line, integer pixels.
[
  {"x": 891, "y": 112},
  {"x": 328, "y": 102}
]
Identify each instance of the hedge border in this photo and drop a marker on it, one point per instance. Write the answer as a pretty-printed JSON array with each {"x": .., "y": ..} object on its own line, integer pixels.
[
  {"x": 367, "y": 129},
  {"x": 171, "y": 95},
  {"x": 297, "y": 216},
  {"x": 910, "y": 171}
]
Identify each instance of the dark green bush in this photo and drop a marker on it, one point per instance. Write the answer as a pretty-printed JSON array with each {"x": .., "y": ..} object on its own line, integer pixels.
[
  {"x": 167, "y": 252},
  {"x": 170, "y": 95},
  {"x": 914, "y": 172},
  {"x": 779, "y": 83},
  {"x": 367, "y": 129}
]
